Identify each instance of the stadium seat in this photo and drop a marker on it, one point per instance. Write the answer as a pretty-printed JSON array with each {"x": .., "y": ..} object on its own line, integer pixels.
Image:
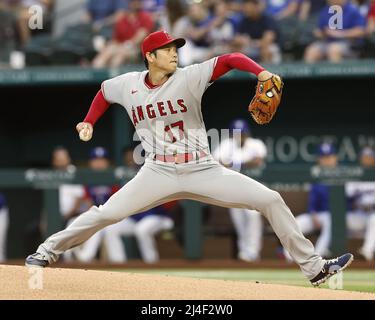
[
  {"x": 369, "y": 48},
  {"x": 73, "y": 45},
  {"x": 7, "y": 35},
  {"x": 288, "y": 31},
  {"x": 304, "y": 36},
  {"x": 38, "y": 50}
]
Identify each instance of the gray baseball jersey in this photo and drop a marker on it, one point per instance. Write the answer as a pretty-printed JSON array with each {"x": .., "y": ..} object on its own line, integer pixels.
[
  {"x": 157, "y": 114},
  {"x": 167, "y": 119}
]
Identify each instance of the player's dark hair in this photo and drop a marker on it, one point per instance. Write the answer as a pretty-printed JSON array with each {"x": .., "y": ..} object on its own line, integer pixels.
[
  {"x": 59, "y": 148},
  {"x": 56, "y": 149},
  {"x": 146, "y": 61}
]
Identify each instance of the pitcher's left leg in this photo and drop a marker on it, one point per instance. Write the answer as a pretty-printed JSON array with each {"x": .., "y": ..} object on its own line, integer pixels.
[{"x": 220, "y": 186}]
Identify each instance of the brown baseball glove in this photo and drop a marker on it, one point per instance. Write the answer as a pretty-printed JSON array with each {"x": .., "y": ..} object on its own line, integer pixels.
[{"x": 266, "y": 100}]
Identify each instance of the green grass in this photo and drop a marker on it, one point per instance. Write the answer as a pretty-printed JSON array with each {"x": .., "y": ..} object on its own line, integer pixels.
[{"x": 353, "y": 280}]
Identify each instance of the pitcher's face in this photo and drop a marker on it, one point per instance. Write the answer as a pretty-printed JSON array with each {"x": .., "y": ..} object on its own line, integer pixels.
[{"x": 166, "y": 58}]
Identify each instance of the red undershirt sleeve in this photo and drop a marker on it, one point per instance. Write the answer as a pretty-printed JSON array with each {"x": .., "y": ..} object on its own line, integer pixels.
[
  {"x": 237, "y": 61},
  {"x": 98, "y": 106}
]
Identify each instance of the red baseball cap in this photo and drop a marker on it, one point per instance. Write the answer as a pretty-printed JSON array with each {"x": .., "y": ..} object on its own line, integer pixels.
[{"x": 159, "y": 39}]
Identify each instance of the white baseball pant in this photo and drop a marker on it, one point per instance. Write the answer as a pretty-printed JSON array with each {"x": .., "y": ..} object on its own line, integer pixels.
[
  {"x": 4, "y": 221},
  {"x": 206, "y": 181},
  {"x": 249, "y": 229}
]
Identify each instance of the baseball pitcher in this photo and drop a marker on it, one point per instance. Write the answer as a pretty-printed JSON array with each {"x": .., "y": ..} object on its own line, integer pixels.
[{"x": 164, "y": 104}]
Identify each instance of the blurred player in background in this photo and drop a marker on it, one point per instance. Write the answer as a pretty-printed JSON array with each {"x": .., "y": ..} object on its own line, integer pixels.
[
  {"x": 4, "y": 221},
  {"x": 367, "y": 157},
  {"x": 361, "y": 198},
  {"x": 69, "y": 198},
  {"x": 70, "y": 195},
  {"x": 244, "y": 151},
  {"x": 61, "y": 159},
  {"x": 318, "y": 217}
]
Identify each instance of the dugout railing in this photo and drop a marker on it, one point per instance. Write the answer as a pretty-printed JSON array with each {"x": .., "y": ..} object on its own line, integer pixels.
[{"x": 49, "y": 181}]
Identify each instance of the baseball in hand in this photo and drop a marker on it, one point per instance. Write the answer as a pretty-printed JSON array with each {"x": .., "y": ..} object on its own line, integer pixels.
[
  {"x": 85, "y": 135},
  {"x": 84, "y": 131}
]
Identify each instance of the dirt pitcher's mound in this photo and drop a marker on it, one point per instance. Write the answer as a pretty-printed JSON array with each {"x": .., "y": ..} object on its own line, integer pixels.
[{"x": 53, "y": 283}]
